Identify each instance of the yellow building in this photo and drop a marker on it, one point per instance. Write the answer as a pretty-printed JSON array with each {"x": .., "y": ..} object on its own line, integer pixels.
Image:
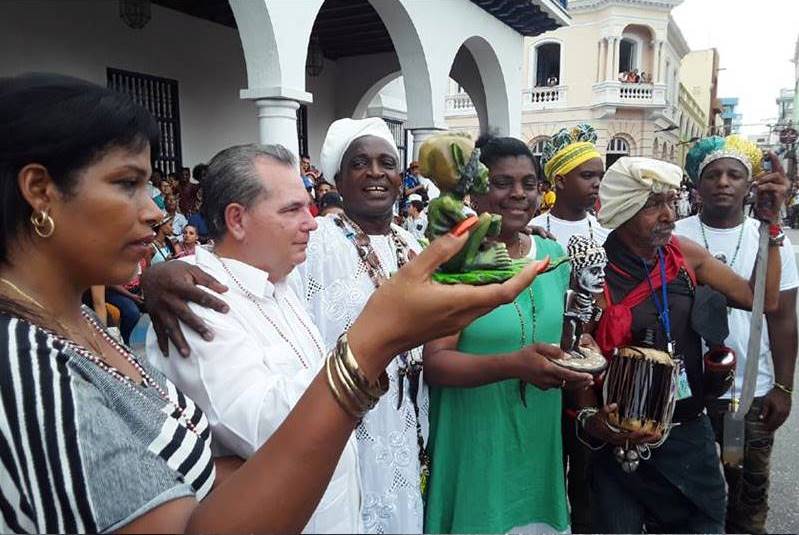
[{"x": 616, "y": 66}]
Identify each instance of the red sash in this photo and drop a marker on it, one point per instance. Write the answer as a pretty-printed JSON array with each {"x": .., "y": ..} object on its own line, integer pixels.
[{"x": 615, "y": 326}]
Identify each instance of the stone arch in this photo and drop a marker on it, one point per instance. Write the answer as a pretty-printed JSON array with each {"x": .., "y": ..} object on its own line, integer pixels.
[
  {"x": 619, "y": 145},
  {"x": 485, "y": 83},
  {"x": 537, "y": 147},
  {"x": 412, "y": 58},
  {"x": 371, "y": 93},
  {"x": 274, "y": 40}
]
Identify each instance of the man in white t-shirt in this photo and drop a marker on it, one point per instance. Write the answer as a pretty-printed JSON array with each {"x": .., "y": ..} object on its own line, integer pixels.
[
  {"x": 575, "y": 168},
  {"x": 416, "y": 222},
  {"x": 724, "y": 230}
]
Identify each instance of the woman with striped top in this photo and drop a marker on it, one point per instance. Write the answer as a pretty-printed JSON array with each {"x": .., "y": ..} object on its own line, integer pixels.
[{"x": 92, "y": 439}]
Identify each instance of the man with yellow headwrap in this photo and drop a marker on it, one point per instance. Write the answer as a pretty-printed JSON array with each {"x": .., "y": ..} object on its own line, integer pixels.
[
  {"x": 574, "y": 168},
  {"x": 721, "y": 170},
  {"x": 679, "y": 487}
]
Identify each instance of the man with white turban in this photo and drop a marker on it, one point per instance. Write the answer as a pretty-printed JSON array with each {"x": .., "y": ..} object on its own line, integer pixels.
[
  {"x": 679, "y": 487},
  {"x": 348, "y": 257}
]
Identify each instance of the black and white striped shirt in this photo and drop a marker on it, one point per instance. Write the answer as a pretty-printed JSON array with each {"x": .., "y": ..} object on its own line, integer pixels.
[{"x": 81, "y": 451}]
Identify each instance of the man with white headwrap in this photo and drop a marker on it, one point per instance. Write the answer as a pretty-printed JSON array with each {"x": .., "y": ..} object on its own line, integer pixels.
[
  {"x": 680, "y": 487},
  {"x": 348, "y": 257}
]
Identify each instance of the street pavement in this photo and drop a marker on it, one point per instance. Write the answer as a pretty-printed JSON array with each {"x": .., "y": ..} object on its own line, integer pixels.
[{"x": 784, "y": 493}]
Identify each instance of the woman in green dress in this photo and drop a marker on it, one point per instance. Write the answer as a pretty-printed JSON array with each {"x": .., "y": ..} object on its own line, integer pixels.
[{"x": 496, "y": 459}]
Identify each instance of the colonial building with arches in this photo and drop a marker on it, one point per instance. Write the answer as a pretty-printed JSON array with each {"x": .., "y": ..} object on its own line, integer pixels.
[
  {"x": 616, "y": 66},
  {"x": 219, "y": 72}
]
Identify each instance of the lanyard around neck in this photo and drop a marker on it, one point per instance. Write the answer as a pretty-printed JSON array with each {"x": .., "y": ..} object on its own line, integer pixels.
[{"x": 662, "y": 305}]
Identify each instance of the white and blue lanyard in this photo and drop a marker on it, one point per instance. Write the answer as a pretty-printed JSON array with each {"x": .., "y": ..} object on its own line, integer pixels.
[{"x": 662, "y": 305}]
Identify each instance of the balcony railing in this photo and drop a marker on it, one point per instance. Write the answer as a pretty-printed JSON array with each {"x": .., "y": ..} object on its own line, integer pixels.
[
  {"x": 459, "y": 104},
  {"x": 635, "y": 92},
  {"x": 539, "y": 98},
  {"x": 612, "y": 93}
]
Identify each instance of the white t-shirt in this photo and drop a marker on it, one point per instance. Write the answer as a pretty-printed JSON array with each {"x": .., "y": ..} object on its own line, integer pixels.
[
  {"x": 724, "y": 241},
  {"x": 416, "y": 226},
  {"x": 563, "y": 230}
]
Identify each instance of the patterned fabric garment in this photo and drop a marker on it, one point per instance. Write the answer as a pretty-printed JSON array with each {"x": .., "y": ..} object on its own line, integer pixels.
[
  {"x": 336, "y": 286},
  {"x": 80, "y": 450}
]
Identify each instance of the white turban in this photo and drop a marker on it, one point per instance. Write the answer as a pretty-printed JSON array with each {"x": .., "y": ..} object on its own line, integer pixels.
[
  {"x": 340, "y": 136},
  {"x": 627, "y": 185}
]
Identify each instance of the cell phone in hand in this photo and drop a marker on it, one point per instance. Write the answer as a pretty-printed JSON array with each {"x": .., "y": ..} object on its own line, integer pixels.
[{"x": 766, "y": 163}]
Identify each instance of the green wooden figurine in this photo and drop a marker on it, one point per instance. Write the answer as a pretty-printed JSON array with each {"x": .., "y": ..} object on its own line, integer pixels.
[{"x": 452, "y": 162}]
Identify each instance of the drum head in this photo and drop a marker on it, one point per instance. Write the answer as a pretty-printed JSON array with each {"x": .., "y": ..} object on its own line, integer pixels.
[{"x": 584, "y": 360}]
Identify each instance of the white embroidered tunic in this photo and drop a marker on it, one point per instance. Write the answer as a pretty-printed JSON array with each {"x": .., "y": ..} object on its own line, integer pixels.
[
  {"x": 252, "y": 374},
  {"x": 336, "y": 286}
]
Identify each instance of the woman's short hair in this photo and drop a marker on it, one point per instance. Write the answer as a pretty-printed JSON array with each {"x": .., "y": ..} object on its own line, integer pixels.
[
  {"x": 494, "y": 148},
  {"x": 64, "y": 124}
]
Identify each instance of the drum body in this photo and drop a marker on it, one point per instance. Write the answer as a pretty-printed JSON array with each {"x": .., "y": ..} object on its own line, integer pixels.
[{"x": 643, "y": 383}]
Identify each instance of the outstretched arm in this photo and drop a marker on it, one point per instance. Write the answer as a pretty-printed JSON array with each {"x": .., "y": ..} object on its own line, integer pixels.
[
  {"x": 739, "y": 291},
  {"x": 278, "y": 488}
]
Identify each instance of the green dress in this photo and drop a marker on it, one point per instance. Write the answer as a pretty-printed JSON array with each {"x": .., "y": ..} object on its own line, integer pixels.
[{"x": 495, "y": 464}]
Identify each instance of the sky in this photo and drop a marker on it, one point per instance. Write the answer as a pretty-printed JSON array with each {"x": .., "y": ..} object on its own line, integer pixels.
[{"x": 756, "y": 40}]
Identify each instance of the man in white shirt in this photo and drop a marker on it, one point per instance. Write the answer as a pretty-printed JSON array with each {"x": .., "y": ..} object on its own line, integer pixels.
[
  {"x": 416, "y": 222},
  {"x": 266, "y": 350},
  {"x": 572, "y": 164},
  {"x": 349, "y": 255},
  {"x": 722, "y": 228}
]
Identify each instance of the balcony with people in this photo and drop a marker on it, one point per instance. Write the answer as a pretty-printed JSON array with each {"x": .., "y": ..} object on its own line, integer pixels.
[
  {"x": 545, "y": 88},
  {"x": 633, "y": 70}
]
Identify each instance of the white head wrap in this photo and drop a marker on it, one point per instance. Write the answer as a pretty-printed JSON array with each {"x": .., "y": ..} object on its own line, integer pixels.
[
  {"x": 340, "y": 136},
  {"x": 627, "y": 185}
]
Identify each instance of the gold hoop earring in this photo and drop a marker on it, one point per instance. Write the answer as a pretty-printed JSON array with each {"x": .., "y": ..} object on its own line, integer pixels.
[{"x": 43, "y": 224}]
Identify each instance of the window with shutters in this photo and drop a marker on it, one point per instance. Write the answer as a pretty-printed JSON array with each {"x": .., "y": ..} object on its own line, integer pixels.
[
  {"x": 398, "y": 131},
  {"x": 302, "y": 129},
  {"x": 160, "y": 97}
]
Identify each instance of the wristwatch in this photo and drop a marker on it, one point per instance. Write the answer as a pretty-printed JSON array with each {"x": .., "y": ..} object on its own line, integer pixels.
[{"x": 776, "y": 235}]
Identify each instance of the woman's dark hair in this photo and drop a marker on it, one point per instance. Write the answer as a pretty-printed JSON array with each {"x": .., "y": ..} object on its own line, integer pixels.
[
  {"x": 493, "y": 148},
  {"x": 64, "y": 124}
]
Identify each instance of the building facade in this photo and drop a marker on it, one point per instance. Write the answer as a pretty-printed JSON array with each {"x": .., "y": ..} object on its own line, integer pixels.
[
  {"x": 616, "y": 66},
  {"x": 732, "y": 120},
  {"x": 699, "y": 74},
  {"x": 220, "y": 72}
]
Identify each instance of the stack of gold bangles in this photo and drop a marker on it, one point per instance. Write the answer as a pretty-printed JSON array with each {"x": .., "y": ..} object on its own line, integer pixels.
[{"x": 353, "y": 391}]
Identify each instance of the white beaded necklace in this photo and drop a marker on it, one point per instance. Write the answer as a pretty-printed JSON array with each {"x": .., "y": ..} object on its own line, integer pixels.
[
  {"x": 147, "y": 380},
  {"x": 275, "y": 326}
]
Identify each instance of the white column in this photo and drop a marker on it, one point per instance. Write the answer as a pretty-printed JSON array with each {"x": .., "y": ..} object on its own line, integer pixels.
[
  {"x": 616, "y": 48},
  {"x": 277, "y": 122},
  {"x": 599, "y": 60},
  {"x": 655, "y": 61},
  {"x": 661, "y": 62},
  {"x": 420, "y": 135},
  {"x": 609, "y": 74}
]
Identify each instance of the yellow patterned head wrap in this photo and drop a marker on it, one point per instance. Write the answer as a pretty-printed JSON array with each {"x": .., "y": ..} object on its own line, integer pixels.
[
  {"x": 714, "y": 148},
  {"x": 568, "y": 149}
]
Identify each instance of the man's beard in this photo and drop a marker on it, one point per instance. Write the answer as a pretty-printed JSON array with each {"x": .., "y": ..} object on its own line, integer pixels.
[{"x": 661, "y": 235}]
